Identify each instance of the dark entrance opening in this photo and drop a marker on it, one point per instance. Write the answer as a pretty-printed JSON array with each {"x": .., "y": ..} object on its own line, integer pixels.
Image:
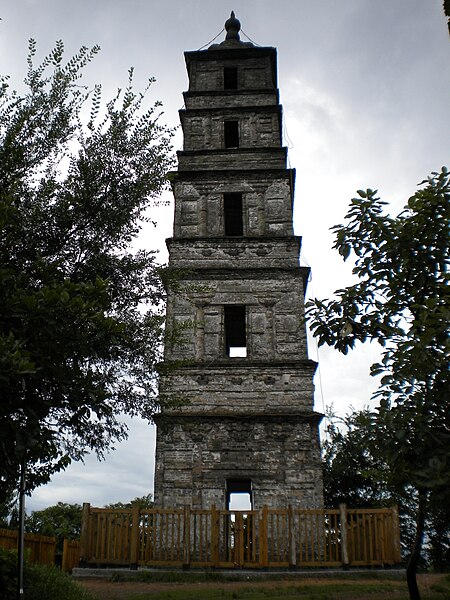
[
  {"x": 231, "y": 134},
  {"x": 233, "y": 217},
  {"x": 239, "y": 494},
  {"x": 230, "y": 78},
  {"x": 235, "y": 332}
]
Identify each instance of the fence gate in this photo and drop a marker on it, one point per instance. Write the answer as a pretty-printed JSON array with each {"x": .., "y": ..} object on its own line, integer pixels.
[{"x": 236, "y": 539}]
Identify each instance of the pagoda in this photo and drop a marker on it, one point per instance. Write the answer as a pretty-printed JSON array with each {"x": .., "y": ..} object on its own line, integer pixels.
[{"x": 240, "y": 418}]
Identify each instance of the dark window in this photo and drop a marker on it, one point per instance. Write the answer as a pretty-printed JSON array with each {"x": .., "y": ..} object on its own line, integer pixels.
[
  {"x": 232, "y": 214},
  {"x": 231, "y": 133},
  {"x": 239, "y": 494},
  {"x": 230, "y": 78},
  {"x": 235, "y": 333}
]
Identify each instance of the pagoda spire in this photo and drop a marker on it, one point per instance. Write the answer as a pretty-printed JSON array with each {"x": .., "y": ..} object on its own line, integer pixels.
[{"x": 232, "y": 27}]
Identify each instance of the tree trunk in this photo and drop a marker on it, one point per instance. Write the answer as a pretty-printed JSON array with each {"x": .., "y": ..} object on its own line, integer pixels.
[{"x": 413, "y": 561}]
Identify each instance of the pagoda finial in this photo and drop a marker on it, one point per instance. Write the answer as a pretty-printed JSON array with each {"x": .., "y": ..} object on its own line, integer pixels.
[{"x": 232, "y": 26}]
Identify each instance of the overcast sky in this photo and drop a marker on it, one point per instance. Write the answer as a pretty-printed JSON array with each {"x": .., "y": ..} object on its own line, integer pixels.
[{"x": 365, "y": 87}]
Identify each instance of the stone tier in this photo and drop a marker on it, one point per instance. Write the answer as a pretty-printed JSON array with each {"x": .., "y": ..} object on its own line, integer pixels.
[
  {"x": 259, "y": 127},
  {"x": 238, "y": 388},
  {"x": 266, "y": 202},
  {"x": 231, "y": 159},
  {"x": 257, "y": 68},
  {"x": 234, "y": 253},
  {"x": 274, "y": 309},
  {"x": 278, "y": 453},
  {"x": 230, "y": 99}
]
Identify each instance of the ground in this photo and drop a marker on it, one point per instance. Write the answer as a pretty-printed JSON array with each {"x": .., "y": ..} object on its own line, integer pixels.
[{"x": 367, "y": 587}]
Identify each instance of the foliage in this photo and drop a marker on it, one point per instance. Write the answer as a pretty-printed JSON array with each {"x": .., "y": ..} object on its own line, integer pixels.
[
  {"x": 141, "y": 501},
  {"x": 8, "y": 573},
  {"x": 355, "y": 473},
  {"x": 39, "y": 581},
  {"x": 62, "y": 521},
  {"x": 401, "y": 301},
  {"x": 81, "y": 313},
  {"x": 7, "y": 510},
  {"x": 438, "y": 546},
  {"x": 42, "y": 581}
]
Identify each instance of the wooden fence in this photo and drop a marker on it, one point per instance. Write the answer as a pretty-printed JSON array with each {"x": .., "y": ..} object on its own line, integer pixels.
[
  {"x": 71, "y": 555},
  {"x": 240, "y": 539},
  {"x": 40, "y": 548}
]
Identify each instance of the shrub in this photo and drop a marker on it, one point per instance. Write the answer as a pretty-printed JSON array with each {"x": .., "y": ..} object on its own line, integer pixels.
[{"x": 41, "y": 582}]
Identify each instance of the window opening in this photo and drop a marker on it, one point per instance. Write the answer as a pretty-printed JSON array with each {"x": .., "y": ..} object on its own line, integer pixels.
[
  {"x": 235, "y": 331},
  {"x": 239, "y": 494},
  {"x": 233, "y": 216},
  {"x": 231, "y": 134},
  {"x": 230, "y": 78}
]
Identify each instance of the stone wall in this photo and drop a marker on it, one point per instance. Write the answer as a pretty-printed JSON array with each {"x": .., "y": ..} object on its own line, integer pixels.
[
  {"x": 231, "y": 159},
  {"x": 245, "y": 252},
  {"x": 281, "y": 457},
  {"x": 230, "y": 99},
  {"x": 274, "y": 304},
  {"x": 204, "y": 129},
  {"x": 247, "y": 389},
  {"x": 257, "y": 73},
  {"x": 266, "y": 199}
]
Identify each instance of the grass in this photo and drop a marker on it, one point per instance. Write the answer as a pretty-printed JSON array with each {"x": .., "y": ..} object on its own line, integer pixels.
[
  {"x": 214, "y": 576},
  {"x": 309, "y": 592},
  {"x": 214, "y": 586}
]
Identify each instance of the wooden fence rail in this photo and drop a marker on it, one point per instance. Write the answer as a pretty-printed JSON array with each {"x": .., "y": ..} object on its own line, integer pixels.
[
  {"x": 236, "y": 539},
  {"x": 41, "y": 548}
]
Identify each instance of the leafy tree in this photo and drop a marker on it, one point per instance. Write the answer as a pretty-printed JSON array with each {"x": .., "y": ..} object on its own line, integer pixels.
[
  {"x": 446, "y": 7},
  {"x": 356, "y": 473},
  {"x": 81, "y": 312},
  {"x": 7, "y": 510},
  {"x": 62, "y": 521},
  {"x": 141, "y": 501},
  {"x": 353, "y": 473},
  {"x": 401, "y": 301}
]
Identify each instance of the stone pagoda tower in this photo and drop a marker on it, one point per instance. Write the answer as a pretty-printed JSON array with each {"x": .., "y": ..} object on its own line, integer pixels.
[{"x": 239, "y": 366}]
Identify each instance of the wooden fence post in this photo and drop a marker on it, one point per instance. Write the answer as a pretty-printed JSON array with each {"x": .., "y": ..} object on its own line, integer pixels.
[
  {"x": 263, "y": 537},
  {"x": 187, "y": 537},
  {"x": 344, "y": 539},
  {"x": 135, "y": 537},
  {"x": 65, "y": 556},
  {"x": 238, "y": 539},
  {"x": 292, "y": 537},
  {"x": 215, "y": 535},
  {"x": 85, "y": 534}
]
